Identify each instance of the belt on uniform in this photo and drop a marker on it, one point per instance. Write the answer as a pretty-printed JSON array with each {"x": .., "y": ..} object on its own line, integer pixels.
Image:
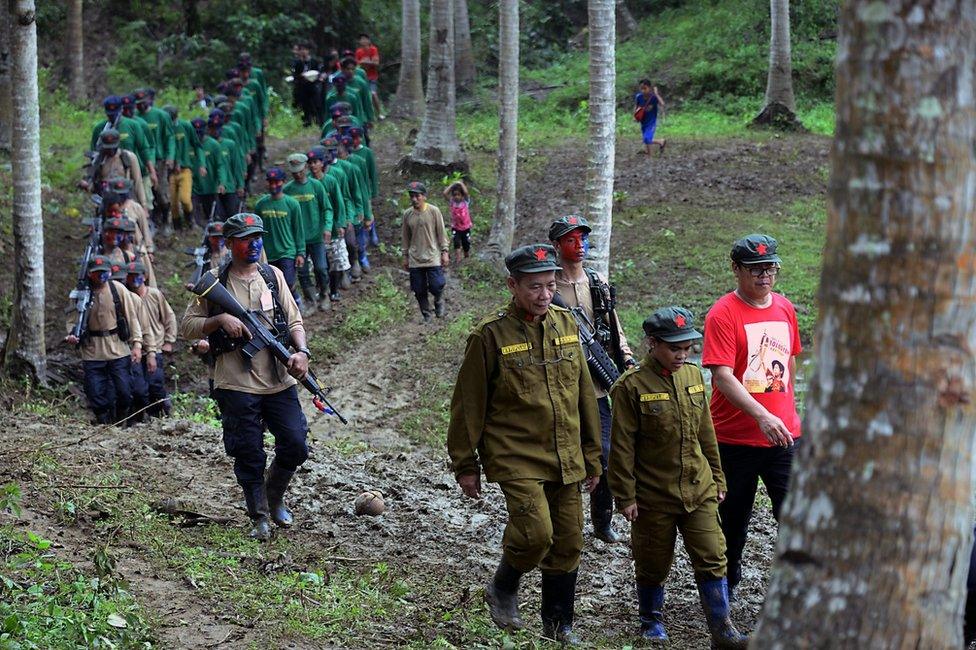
[{"x": 114, "y": 330}]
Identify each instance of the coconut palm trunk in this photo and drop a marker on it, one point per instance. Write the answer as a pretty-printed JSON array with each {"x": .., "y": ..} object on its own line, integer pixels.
[
  {"x": 24, "y": 352},
  {"x": 875, "y": 537},
  {"x": 464, "y": 68},
  {"x": 437, "y": 145},
  {"x": 780, "y": 105},
  {"x": 602, "y": 146},
  {"x": 503, "y": 224},
  {"x": 409, "y": 101},
  {"x": 75, "y": 67}
]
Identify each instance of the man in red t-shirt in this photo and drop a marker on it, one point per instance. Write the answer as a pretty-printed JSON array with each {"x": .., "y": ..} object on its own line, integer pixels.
[
  {"x": 368, "y": 58},
  {"x": 751, "y": 344}
]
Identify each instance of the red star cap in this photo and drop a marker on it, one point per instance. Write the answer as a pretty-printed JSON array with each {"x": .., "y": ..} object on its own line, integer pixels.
[
  {"x": 680, "y": 320},
  {"x": 540, "y": 254},
  {"x": 761, "y": 249}
]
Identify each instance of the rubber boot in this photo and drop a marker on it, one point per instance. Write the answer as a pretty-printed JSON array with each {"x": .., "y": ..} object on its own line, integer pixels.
[
  {"x": 308, "y": 292},
  {"x": 374, "y": 236},
  {"x": 601, "y": 513},
  {"x": 346, "y": 281},
  {"x": 256, "y": 499},
  {"x": 714, "y": 596},
  {"x": 364, "y": 261},
  {"x": 501, "y": 594},
  {"x": 424, "y": 303},
  {"x": 439, "y": 308},
  {"x": 650, "y": 603},
  {"x": 275, "y": 484},
  {"x": 103, "y": 417},
  {"x": 558, "y": 600},
  {"x": 355, "y": 271}
]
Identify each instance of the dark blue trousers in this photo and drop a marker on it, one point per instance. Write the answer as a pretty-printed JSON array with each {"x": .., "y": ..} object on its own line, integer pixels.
[
  {"x": 245, "y": 416},
  {"x": 108, "y": 387},
  {"x": 139, "y": 380},
  {"x": 601, "y": 499},
  {"x": 287, "y": 267},
  {"x": 157, "y": 387}
]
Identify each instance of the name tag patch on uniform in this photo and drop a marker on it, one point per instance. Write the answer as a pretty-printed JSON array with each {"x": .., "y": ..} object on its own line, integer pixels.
[
  {"x": 697, "y": 388},
  {"x": 518, "y": 347},
  {"x": 655, "y": 397},
  {"x": 565, "y": 340},
  {"x": 267, "y": 302}
]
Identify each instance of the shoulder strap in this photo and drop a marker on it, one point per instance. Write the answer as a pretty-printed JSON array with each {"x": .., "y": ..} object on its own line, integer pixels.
[
  {"x": 269, "y": 278},
  {"x": 119, "y": 314}
]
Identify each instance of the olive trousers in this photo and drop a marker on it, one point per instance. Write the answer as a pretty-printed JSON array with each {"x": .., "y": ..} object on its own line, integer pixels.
[
  {"x": 545, "y": 525},
  {"x": 654, "y": 533}
]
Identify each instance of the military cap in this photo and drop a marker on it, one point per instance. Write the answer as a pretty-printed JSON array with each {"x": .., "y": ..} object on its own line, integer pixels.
[
  {"x": 355, "y": 131},
  {"x": 171, "y": 111},
  {"x": 336, "y": 109},
  {"x": 198, "y": 123},
  {"x": 416, "y": 187},
  {"x": 344, "y": 107},
  {"x": 109, "y": 139},
  {"x": 99, "y": 263},
  {"x": 216, "y": 117},
  {"x": 671, "y": 325},
  {"x": 112, "y": 104},
  {"x": 119, "y": 185},
  {"x": 275, "y": 174},
  {"x": 534, "y": 258},
  {"x": 232, "y": 90},
  {"x": 215, "y": 229},
  {"x": 297, "y": 162},
  {"x": 318, "y": 152},
  {"x": 342, "y": 120},
  {"x": 109, "y": 197},
  {"x": 231, "y": 73},
  {"x": 243, "y": 224},
  {"x": 118, "y": 271},
  {"x": 122, "y": 224},
  {"x": 141, "y": 95},
  {"x": 135, "y": 268},
  {"x": 244, "y": 60},
  {"x": 755, "y": 249},
  {"x": 220, "y": 99},
  {"x": 128, "y": 100},
  {"x": 330, "y": 143},
  {"x": 567, "y": 224},
  {"x": 236, "y": 81},
  {"x": 345, "y": 140},
  {"x": 225, "y": 107}
]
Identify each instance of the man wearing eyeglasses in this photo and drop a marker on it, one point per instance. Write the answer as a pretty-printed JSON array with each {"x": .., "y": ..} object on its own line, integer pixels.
[
  {"x": 524, "y": 410},
  {"x": 751, "y": 344}
]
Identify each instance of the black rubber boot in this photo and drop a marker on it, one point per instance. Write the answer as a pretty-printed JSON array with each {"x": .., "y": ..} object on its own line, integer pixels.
[
  {"x": 501, "y": 594},
  {"x": 424, "y": 303},
  {"x": 601, "y": 513},
  {"x": 558, "y": 600},
  {"x": 276, "y": 484},
  {"x": 439, "y": 305},
  {"x": 256, "y": 499}
]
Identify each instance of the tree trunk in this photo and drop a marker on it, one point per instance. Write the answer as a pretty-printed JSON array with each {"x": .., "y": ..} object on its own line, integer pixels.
[
  {"x": 6, "y": 105},
  {"x": 780, "y": 106},
  {"x": 24, "y": 351},
  {"x": 437, "y": 145},
  {"x": 464, "y": 68},
  {"x": 874, "y": 542},
  {"x": 503, "y": 225},
  {"x": 603, "y": 120},
  {"x": 76, "y": 52},
  {"x": 191, "y": 17},
  {"x": 410, "y": 89},
  {"x": 626, "y": 25}
]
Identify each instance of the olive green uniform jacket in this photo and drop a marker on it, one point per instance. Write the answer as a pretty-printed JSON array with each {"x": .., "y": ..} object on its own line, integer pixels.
[
  {"x": 663, "y": 453},
  {"x": 523, "y": 405}
]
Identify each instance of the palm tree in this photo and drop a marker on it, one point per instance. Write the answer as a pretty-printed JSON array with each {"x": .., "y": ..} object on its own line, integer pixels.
[
  {"x": 780, "y": 105},
  {"x": 626, "y": 25},
  {"x": 875, "y": 539},
  {"x": 464, "y": 68},
  {"x": 599, "y": 172},
  {"x": 410, "y": 89},
  {"x": 24, "y": 351},
  {"x": 76, "y": 52},
  {"x": 503, "y": 225},
  {"x": 437, "y": 145}
]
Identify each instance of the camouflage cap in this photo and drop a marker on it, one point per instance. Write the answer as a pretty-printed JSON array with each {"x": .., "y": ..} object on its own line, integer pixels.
[
  {"x": 109, "y": 139},
  {"x": 243, "y": 224},
  {"x": 671, "y": 325},
  {"x": 99, "y": 263},
  {"x": 567, "y": 224},
  {"x": 416, "y": 187},
  {"x": 534, "y": 258},
  {"x": 755, "y": 249}
]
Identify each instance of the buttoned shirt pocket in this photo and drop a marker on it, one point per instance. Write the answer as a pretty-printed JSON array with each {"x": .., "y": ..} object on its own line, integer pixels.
[
  {"x": 519, "y": 373},
  {"x": 696, "y": 396},
  {"x": 658, "y": 414}
]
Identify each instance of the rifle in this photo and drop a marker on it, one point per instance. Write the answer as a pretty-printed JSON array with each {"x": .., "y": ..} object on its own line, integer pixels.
[
  {"x": 82, "y": 294},
  {"x": 201, "y": 254},
  {"x": 602, "y": 367},
  {"x": 209, "y": 287}
]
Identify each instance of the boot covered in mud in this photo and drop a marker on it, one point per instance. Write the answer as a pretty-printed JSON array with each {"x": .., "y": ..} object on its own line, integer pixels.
[
  {"x": 424, "y": 302},
  {"x": 558, "y": 601},
  {"x": 601, "y": 513},
  {"x": 714, "y": 596},
  {"x": 439, "y": 308},
  {"x": 501, "y": 594},
  {"x": 256, "y": 499},
  {"x": 276, "y": 484},
  {"x": 650, "y": 606},
  {"x": 355, "y": 270}
]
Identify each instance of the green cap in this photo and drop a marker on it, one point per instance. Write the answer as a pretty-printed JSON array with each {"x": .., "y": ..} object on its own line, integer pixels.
[
  {"x": 297, "y": 162},
  {"x": 243, "y": 224},
  {"x": 215, "y": 229},
  {"x": 567, "y": 224},
  {"x": 99, "y": 263},
  {"x": 109, "y": 139},
  {"x": 416, "y": 187},
  {"x": 118, "y": 272},
  {"x": 534, "y": 258},
  {"x": 135, "y": 268},
  {"x": 755, "y": 249},
  {"x": 672, "y": 325},
  {"x": 122, "y": 224}
]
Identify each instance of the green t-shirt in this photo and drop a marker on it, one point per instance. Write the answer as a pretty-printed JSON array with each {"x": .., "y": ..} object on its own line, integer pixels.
[
  {"x": 231, "y": 175},
  {"x": 285, "y": 237},
  {"x": 185, "y": 145},
  {"x": 372, "y": 175},
  {"x": 316, "y": 209},
  {"x": 336, "y": 199},
  {"x": 131, "y": 138},
  {"x": 359, "y": 165},
  {"x": 350, "y": 96},
  {"x": 352, "y": 187},
  {"x": 212, "y": 160},
  {"x": 232, "y": 131},
  {"x": 160, "y": 125},
  {"x": 328, "y": 128}
]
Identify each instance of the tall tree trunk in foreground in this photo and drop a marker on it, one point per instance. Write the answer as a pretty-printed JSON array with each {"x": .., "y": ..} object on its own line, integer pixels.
[
  {"x": 464, "y": 68},
  {"x": 626, "y": 25},
  {"x": 409, "y": 101},
  {"x": 874, "y": 543},
  {"x": 6, "y": 105},
  {"x": 603, "y": 122},
  {"x": 75, "y": 67},
  {"x": 780, "y": 106},
  {"x": 503, "y": 225},
  {"x": 437, "y": 144},
  {"x": 24, "y": 351}
]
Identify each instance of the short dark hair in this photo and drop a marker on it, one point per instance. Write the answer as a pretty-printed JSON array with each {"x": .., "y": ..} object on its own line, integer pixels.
[
  {"x": 348, "y": 61},
  {"x": 644, "y": 82},
  {"x": 363, "y": 35},
  {"x": 777, "y": 362}
]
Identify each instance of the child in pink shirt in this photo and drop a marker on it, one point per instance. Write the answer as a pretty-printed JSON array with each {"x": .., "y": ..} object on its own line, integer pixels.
[{"x": 460, "y": 203}]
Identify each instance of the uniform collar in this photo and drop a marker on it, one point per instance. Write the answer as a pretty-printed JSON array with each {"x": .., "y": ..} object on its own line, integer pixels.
[
  {"x": 521, "y": 315},
  {"x": 656, "y": 366}
]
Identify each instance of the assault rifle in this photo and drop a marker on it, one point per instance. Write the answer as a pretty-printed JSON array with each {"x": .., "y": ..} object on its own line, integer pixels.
[
  {"x": 209, "y": 287},
  {"x": 82, "y": 294},
  {"x": 602, "y": 367},
  {"x": 201, "y": 254}
]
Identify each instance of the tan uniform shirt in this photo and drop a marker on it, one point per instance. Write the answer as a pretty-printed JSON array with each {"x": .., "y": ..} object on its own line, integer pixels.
[
  {"x": 576, "y": 293},
  {"x": 663, "y": 452},
  {"x": 113, "y": 168},
  {"x": 265, "y": 375},
  {"x": 162, "y": 323},
  {"x": 523, "y": 404},
  {"x": 151, "y": 336},
  {"x": 102, "y": 318},
  {"x": 424, "y": 237},
  {"x": 143, "y": 239}
]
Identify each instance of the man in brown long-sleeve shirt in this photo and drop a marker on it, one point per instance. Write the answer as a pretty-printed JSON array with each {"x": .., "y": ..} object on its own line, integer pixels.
[
  {"x": 425, "y": 249},
  {"x": 160, "y": 331},
  {"x": 110, "y": 343}
]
